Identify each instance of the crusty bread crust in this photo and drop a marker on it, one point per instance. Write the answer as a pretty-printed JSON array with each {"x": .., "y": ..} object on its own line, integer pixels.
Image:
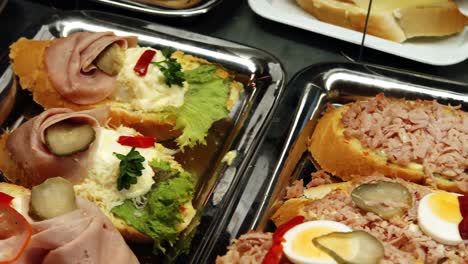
[
  {"x": 397, "y": 25},
  {"x": 349, "y": 160},
  {"x": 173, "y": 4},
  {"x": 19, "y": 176},
  {"x": 27, "y": 57},
  {"x": 13, "y": 189},
  {"x": 294, "y": 207}
]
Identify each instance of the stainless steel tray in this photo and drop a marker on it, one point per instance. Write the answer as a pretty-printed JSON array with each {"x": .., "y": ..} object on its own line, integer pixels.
[
  {"x": 262, "y": 74},
  {"x": 276, "y": 165},
  {"x": 134, "y": 5}
]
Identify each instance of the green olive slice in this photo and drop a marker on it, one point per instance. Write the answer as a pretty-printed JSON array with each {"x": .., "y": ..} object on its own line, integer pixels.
[
  {"x": 363, "y": 247},
  {"x": 52, "y": 198},
  {"x": 111, "y": 59},
  {"x": 67, "y": 138},
  {"x": 386, "y": 199}
]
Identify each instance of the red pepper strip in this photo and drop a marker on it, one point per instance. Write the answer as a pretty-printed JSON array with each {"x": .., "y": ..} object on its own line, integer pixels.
[
  {"x": 141, "y": 67},
  {"x": 275, "y": 253},
  {"x": 137, "y": 141},
  {"x": 15, "y": 233},
  {"x": 5, "y": 199},
  {"x": 463, "y": 225}
]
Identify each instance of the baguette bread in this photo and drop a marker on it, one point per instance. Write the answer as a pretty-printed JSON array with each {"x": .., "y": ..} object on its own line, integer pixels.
[
  {"x": 334, "y": 203},
  {"x": 392, "y": 20},
  {"x": 293, "y": 207},
  {"x": 402, "y": 235},
  {"x": 28, "y": 63},
  {"x": 347, "y": 158},
  {"x": 173, "y": 4}
]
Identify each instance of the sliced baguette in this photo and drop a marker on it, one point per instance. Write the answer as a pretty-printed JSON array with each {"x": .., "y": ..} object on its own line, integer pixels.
[
  {"x": 127, "y": 231},
  {"x": 294, "y": 207},
  {"x": 27, "y": 58},
  {"x": 17, "y": 175},
  {"x": 388, "y": 20},
  {"x": 348, "y": 159}
]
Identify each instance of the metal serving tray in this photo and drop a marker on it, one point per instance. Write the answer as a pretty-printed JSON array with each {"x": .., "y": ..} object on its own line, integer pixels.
[
  {"x": 261, "y": 73},
  {"x": 135, "y": 5},
  {"x": 277, "y": 165}
]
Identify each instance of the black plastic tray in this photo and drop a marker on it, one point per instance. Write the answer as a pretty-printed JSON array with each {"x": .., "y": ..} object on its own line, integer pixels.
[
  {"x": 283, "y": 157},
  {"x": 217, "y": 186}
]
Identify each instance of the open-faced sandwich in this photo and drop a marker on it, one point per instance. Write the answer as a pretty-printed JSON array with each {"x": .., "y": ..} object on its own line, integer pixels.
[
  {"x": 51, "y": 225},
  {"x": 157, "y": 92},
  {"x": 370, "y": 220},
  {"x": 133, "y": 180},
  {"x": 419, "y": 141},
  {"x": 391, "y": 19}
]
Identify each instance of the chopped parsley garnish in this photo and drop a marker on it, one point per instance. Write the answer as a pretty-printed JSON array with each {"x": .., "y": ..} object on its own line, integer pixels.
[
  {"x": 170, "y": 68},
  {"x": 131, "y": 167}
]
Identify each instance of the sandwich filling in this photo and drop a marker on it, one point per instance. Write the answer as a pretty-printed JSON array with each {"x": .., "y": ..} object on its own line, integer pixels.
[
  {"x": 158, "y": 204},
  {"x": 93, "y": 68},
  {"x": 193, "y": 92},
  {"x": 402, "y": 235},
  {"x": 422, "y": 136}
]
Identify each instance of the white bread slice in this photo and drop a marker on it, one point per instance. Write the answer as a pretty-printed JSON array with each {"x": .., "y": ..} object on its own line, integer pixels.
[
  {"x": 27, "y": 57},
  {"x": 348, "y": 159},
  {"x": 173, "y": 4},
  {"x": 395, "y": 20}
]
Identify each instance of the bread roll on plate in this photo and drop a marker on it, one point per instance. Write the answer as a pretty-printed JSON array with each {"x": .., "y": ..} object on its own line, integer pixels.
[
  {"x": 393, "y": 20},
  {"x": 419, "y": 141}
]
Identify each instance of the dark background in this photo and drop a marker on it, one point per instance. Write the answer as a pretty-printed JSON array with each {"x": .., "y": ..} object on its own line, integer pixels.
[{"x": 232, "y": 20}]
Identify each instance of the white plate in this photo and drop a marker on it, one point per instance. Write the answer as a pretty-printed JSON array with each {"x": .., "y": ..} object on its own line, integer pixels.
[{"x": 435, "y": 51}]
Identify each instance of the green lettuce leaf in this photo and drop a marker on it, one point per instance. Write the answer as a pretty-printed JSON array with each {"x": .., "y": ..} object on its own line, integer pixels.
[
  {"x": 204, "y": 103},
  {"x": 161, "y": 214}
]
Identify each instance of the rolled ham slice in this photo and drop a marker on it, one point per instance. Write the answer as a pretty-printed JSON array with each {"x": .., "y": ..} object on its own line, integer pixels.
[
  {"x": 69, "y": 62},
  {"x": 26, "y": 145},
  {"x": 85, "y": 235}
]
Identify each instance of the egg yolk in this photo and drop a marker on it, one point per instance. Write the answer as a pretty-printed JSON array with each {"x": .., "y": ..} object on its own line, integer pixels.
[
  {"x": 302, "y": 243},
  {"x": 445, "y": 206}
]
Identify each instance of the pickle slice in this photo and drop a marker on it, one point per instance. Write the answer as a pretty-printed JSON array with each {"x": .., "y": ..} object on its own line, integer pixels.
[
  {"x": 52, "y": 198},
  {"x": 67, "y": 138},
  {"x": 364, "y": 249},
  {"x": 111, "y": 59},
  {"x": 386, "y": 199}
]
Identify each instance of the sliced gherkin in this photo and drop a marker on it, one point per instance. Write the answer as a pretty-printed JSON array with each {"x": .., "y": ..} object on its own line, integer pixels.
[{"x": 364, "y": 248}]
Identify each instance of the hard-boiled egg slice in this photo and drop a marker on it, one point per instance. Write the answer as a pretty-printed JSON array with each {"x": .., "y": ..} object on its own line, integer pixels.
[
  {"x": 298, "y": 246},
  {"x": 439, "y": 215}
]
